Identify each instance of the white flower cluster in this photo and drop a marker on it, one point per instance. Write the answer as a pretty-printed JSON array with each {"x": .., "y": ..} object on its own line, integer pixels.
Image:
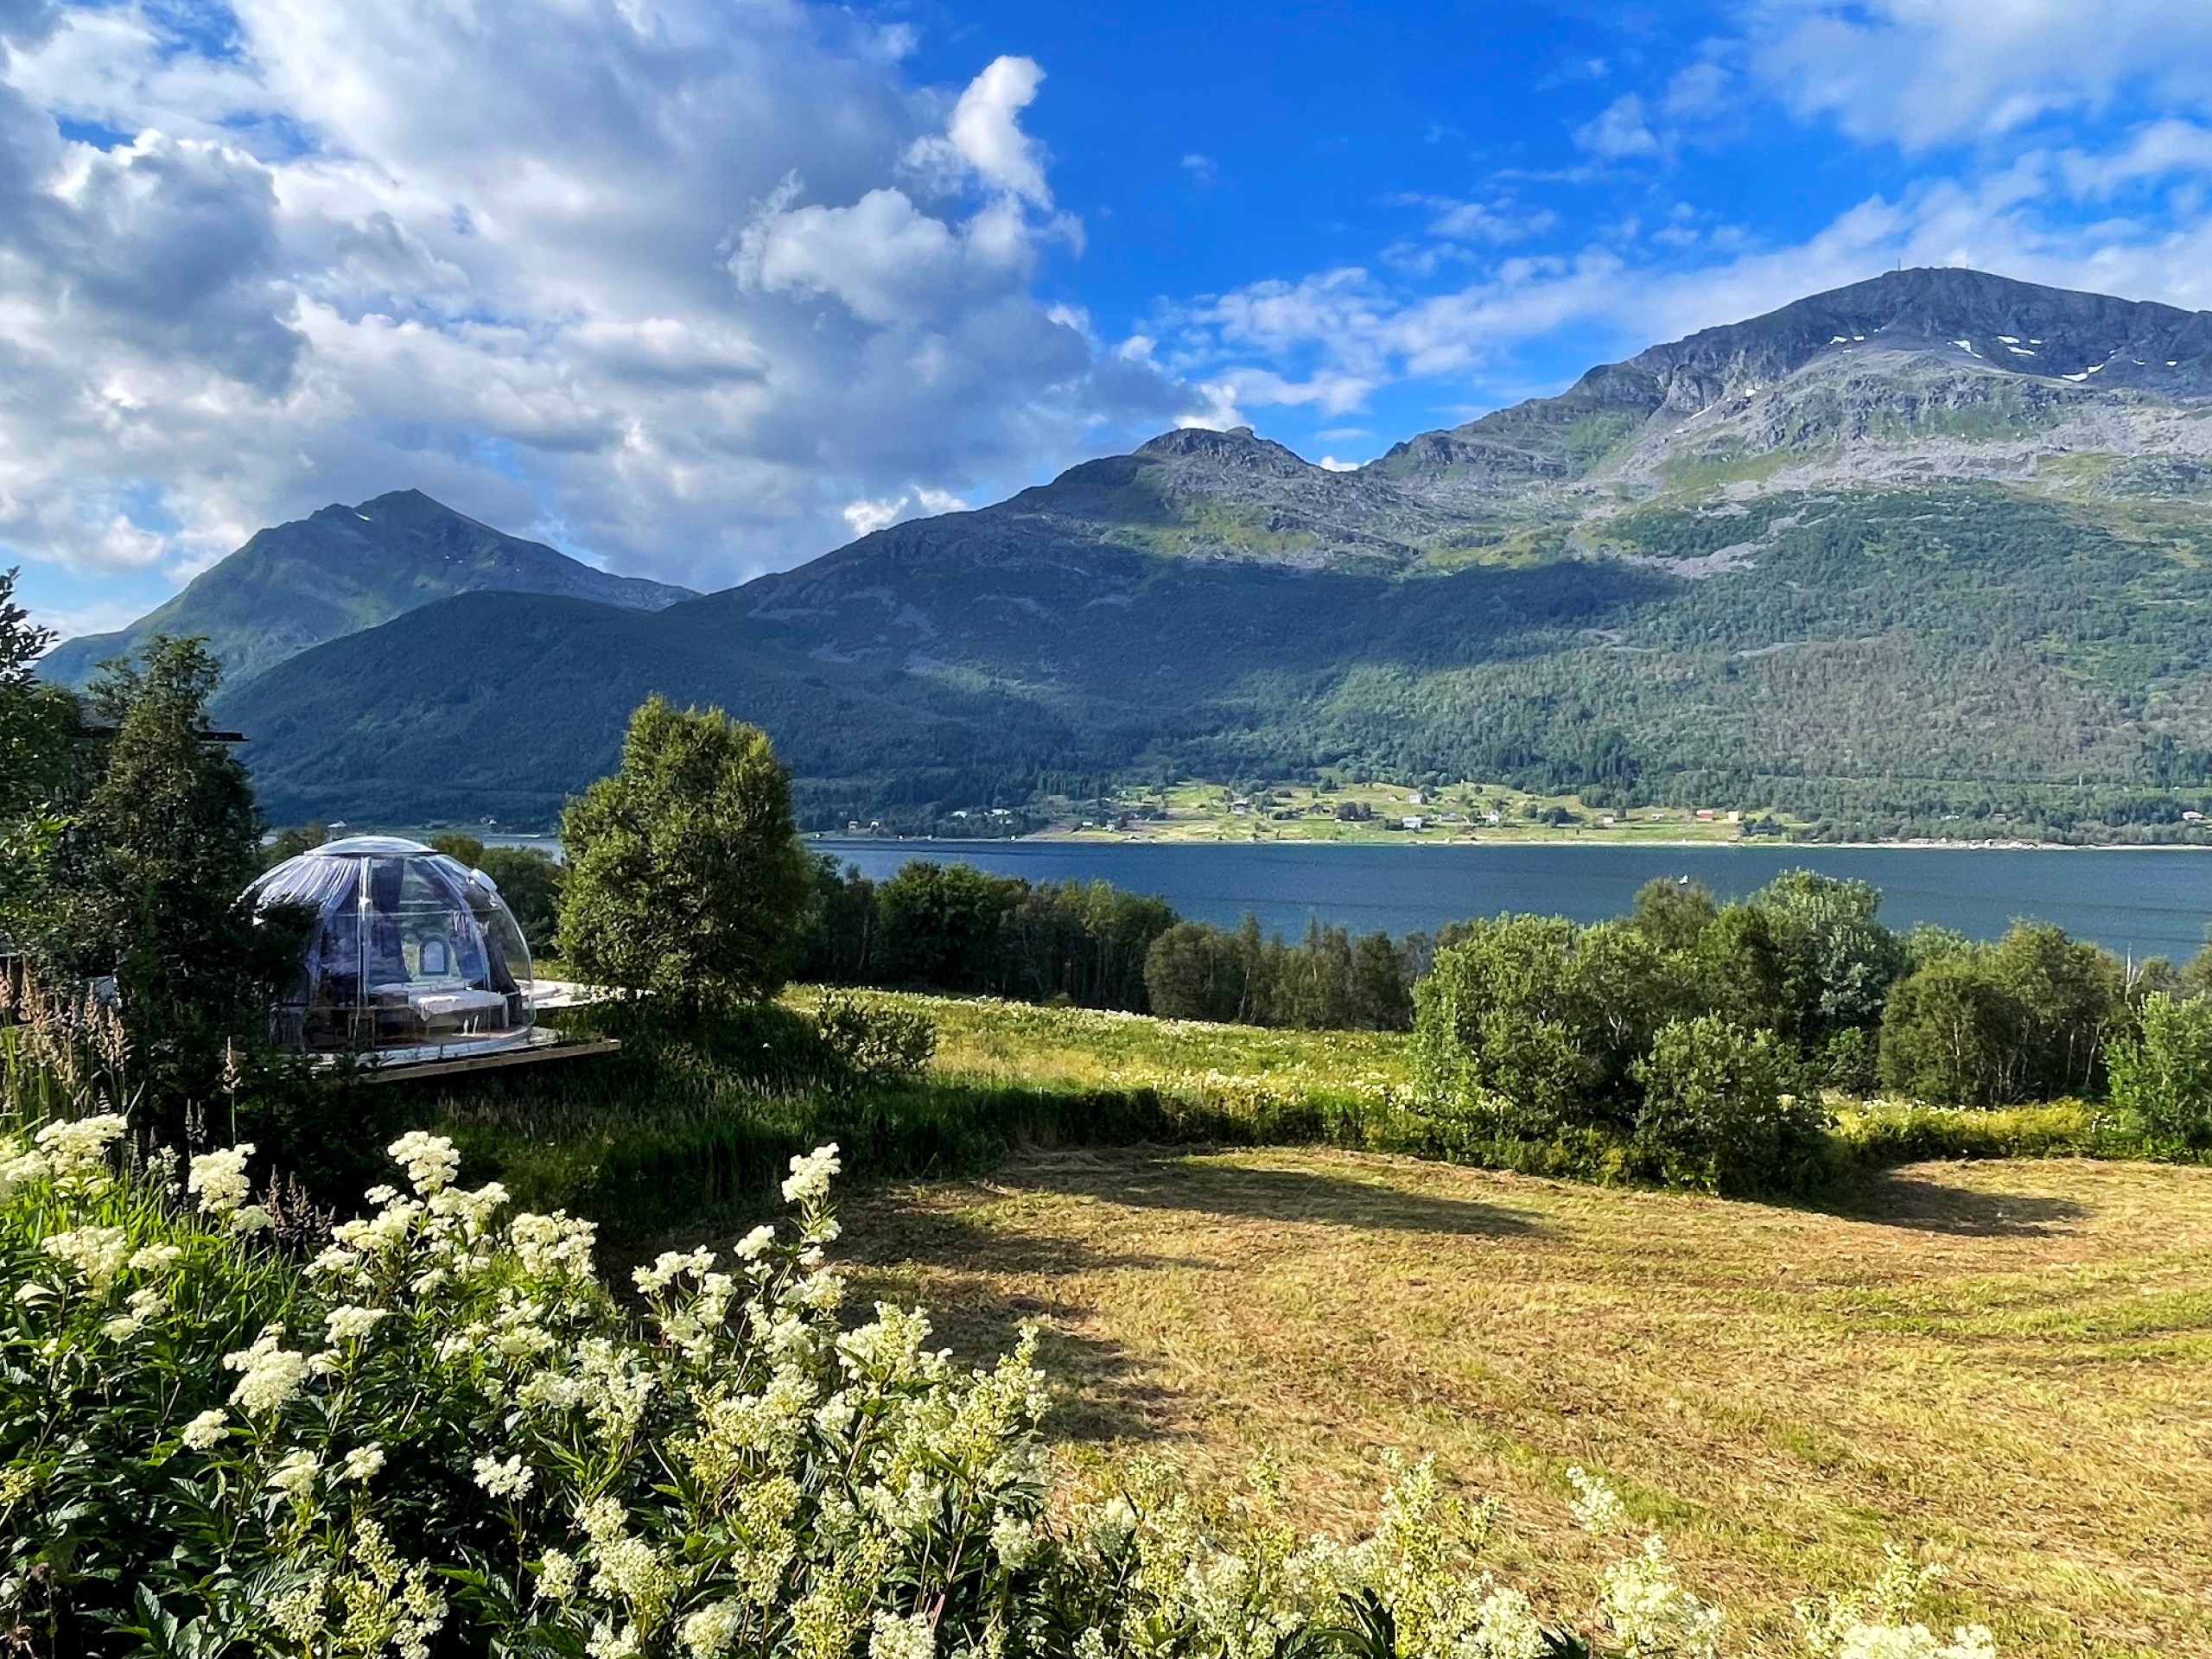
[
  {"x": 71, "y": 1152},
  {"x": 220, "y": 1179},
  {"x": 430, "y": 1160},
  {"x": 811, "y": 1173},
  {"x": 272, "y": 1374},
  {"x": 99, "y": 1254}
]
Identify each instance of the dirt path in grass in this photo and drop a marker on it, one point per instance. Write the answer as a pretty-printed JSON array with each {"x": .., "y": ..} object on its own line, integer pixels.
[{"x": 2004, "y": 1364}]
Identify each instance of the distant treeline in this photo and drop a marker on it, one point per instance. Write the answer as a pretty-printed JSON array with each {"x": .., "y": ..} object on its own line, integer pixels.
[{"x": 950, "y": 928}]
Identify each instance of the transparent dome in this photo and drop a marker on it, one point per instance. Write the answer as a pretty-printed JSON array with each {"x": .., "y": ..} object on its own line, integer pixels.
[{"x": 412, "y": 954}]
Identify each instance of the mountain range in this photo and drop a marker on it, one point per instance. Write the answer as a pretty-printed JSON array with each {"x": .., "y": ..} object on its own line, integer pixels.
[
  {"x": 1928, "y": 553},
  {"x": 345, "y": 569}
]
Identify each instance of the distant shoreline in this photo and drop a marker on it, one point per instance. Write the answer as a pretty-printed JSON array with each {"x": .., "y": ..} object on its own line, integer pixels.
[{"x": 1761, "y": 844}]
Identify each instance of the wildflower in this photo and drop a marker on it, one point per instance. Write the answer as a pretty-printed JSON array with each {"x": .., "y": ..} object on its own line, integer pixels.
[
  {"x": 252, "y": 1219},
  {"x": 709, "y": 1633},
  {"x": 220, "y": 1179},
  {"x": 143, "y": 1306},
  {"x": 1014, "y": 1541},
  {"x": 1650, "y": 1612},
  {"x": 554, "y": 1244},
  {"x": 1506, "y": 1628},
  {"x": 362, "y": 1463},
  {"x": 811, "y": 1173},
  {"x": 510, "y": 1479},
  {"x": 347, "y": 1323},
  {"x": 750, "y": 1247},
  {"x": 97, "y": 1253},
  {"x": 204, "y": 1432},
  {"x": 430, "y": 1160},
  {"x": 30, "y": 1291},
  {"x": 76, "y": 1151},
  {"x": 272, "y": 1374},
  {"x": 668, "y": 1267},
  {"x": 295, "y": 1476},
  {"x": 1596, "y": 1505},
  {"x": 901, "y": 1638},
  {"x": 556, "y": 1576},
  {"x": 154, "y": 1258}
]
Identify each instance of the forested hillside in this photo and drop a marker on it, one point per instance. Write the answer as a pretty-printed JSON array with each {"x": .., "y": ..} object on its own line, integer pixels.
[{"x": 1926, "y": 554}]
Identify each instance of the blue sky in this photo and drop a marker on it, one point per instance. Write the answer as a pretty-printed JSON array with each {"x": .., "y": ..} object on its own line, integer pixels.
[{"x": 702, "y": 287}]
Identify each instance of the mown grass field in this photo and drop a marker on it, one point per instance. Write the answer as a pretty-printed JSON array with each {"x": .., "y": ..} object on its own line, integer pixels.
[{"x": 2003, "y": 1365}]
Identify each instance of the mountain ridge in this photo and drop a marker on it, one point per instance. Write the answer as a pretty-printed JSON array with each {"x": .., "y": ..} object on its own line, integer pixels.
[
  {"x": 295, "y": 585},
  {"x": 1839, "y": 560}
]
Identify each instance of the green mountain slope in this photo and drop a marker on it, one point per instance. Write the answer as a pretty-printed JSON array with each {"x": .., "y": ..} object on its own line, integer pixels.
[
  {"x": 1926, "y": 553},
  {"x": 345, "y": 569}
]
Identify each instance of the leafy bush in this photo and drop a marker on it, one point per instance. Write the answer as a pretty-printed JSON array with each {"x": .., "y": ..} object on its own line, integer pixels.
[
  {"x": 2027, "y": 1018},
  {"x": 1719, "y": 1113},
  {"x": 440, "y": 1430},
  {"x": 2162, "y": 1077},
  {"x": 875, "y": 1041}
]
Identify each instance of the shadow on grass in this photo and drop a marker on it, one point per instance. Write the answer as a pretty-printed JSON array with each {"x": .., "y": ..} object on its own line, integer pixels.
[
  {"x": 959, "y": 1270},
  {"x": 1893, "y": 1198},
  {"x": 1212, "y": 1186}
]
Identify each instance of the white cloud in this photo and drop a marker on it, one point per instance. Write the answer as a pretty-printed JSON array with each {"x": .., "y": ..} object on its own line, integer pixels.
[
  {"x": 1331, "y": 464},
  {"x": 671, "y": 281},
  {"x": 1203, "y": 169},
  {"x": 1620, "y": 130},
  {"x": 1921, "y": 72},
  {"x": 864, "y": 518},
  {"x": 1332, "y": 340},
  {"x": 985, "y": 135}
]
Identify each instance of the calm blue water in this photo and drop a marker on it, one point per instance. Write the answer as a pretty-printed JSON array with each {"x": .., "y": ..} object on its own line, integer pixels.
[{"x": 2145, "y": 902}]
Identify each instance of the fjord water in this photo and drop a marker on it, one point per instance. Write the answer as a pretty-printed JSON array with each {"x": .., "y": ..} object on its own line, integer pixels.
[{"x": 2137, "y": 901}]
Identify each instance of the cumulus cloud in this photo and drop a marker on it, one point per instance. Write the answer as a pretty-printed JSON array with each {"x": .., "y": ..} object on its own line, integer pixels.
[
  {"x": 1620, "y": 130},
  {"x": 680, "y": 283}
]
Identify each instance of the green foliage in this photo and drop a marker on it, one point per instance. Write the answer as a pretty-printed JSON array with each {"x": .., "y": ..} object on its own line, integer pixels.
[
  {"x": 954, "y": 928},
  {"x": 294, "y": 840},
  {"x": 875, "y": 1043},
  {"x": 41, "y": 765},
  {"x": 528, "y": 879},
  {"x": 1327, "y": 982},
  {"x": 685, "y": 879},
  {"x": 1672, "y": 914},
  {"x": 2027, "y": 1018},
  {"x": 151, "y": 870},
  {"x": 2162, "y": 1076},
  {"x": 938, "y": 926},
  {"x": 1720, "y": 1113},
  {"x": 1532, "y": 1024}
]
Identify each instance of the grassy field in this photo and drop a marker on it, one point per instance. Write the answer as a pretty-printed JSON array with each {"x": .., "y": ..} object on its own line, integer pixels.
[
  {"x": 1401, "y": 816},
  {"x": 2005, "y": 1365}
]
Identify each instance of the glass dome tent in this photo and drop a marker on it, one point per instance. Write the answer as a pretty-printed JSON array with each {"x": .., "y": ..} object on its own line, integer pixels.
[{"x": 412, "y": 954}]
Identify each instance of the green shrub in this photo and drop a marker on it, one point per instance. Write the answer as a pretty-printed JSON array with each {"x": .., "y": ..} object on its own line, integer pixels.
[
  {"x": 874, "y": 1041},
  {"x": 1719, "y": 1113},
  {"x": 2162, "y": 1077}
]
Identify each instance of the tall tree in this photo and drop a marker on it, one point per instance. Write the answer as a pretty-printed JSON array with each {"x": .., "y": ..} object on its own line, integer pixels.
[
  {"x": 156, "y": 861},
  {"x": 686, "y": 878},
  {"x": 42, "y": 766}
]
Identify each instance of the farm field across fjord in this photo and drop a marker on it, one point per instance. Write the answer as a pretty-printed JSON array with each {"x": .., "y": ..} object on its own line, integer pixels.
[{"x": 2002, "y": 1364}]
